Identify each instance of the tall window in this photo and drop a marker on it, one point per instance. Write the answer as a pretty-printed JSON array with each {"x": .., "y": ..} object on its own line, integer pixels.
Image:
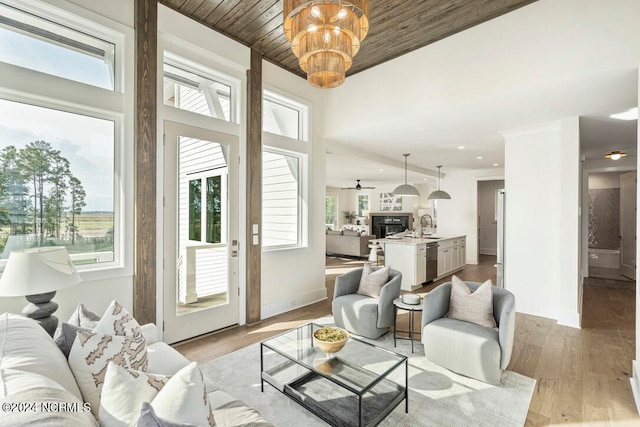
[
  {"x": 363, "y": 203},
  {"x": 280, "y": 199},
  {"x": 330, "y": 209},
  {"x": 58, "y": 146},
  {"x": 284, "y": 161}
]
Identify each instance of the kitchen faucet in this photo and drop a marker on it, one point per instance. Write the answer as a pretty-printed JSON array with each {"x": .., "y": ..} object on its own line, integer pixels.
[{"x": 423, "y": 220}]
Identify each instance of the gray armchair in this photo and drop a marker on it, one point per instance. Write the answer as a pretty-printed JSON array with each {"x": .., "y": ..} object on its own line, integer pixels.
[
  {"x": 466, "y": 348},
  {"x": 364, "y": 315}
]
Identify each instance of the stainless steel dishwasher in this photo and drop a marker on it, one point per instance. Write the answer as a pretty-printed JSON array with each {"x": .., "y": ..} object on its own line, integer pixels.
[{"x": 432, "y": 261}]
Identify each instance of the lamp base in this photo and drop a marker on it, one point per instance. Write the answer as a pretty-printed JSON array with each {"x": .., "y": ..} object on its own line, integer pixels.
[{"x": 40, "y": 309}]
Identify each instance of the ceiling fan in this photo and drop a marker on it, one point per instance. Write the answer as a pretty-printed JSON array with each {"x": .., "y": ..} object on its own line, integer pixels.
[{"x": 358, "y": 187}]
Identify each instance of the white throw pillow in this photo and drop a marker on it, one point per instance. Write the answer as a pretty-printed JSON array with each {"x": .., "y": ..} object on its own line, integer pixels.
[
  {"x": 181, "y": 398},
  {"x": 83, "y": 318},
  {"x": 475, "y": 307},
  {"x": 372, "y": 281},
  {"x": 91, "y": 354},
  {"x": 123, "y": 392}
]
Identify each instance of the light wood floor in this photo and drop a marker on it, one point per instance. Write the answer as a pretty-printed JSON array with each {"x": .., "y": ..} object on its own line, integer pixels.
[{"x": 582, "y": 374}]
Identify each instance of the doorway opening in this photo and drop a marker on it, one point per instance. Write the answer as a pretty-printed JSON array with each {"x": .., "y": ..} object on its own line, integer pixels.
[{"x": 611, "y": 225}]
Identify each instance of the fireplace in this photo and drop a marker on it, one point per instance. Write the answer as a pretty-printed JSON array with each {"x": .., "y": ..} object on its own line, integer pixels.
[{"x": 383, "y": 224}]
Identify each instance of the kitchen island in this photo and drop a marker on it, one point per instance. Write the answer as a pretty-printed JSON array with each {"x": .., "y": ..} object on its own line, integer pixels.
[{"x": 415, "y": 259}]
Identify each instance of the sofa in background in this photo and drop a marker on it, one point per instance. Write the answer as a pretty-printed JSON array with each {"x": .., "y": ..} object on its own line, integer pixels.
[
  {"x": 348, "y": 242},
  {"x": 34, "y": 371}
]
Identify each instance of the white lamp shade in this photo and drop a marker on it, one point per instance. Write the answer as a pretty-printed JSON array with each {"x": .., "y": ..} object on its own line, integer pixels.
[{"x": 37, "y": 271}]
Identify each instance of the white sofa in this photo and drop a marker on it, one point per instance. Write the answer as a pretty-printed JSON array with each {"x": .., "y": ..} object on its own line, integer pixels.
[
  {"x": 37, "y": 386},
  {"x": 348, "y": 242}
]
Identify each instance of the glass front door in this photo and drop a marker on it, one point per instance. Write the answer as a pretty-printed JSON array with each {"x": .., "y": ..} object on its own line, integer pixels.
[{"x": 200, "y": 233}]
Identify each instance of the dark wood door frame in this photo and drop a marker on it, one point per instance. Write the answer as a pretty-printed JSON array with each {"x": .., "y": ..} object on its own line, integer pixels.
[
  {"x": 254, "y": 188},
  {"x": 146, "y": 72}
]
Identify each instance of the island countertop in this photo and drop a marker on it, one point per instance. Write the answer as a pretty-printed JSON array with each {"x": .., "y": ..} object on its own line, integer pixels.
[{"x": 417, "y": 240}]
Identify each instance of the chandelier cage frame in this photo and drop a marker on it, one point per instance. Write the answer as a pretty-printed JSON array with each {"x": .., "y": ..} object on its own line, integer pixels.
[{"x": 325, "y": 35}]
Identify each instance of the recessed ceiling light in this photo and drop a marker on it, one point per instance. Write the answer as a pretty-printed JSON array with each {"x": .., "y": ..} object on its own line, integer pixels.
[
  {"x": 461, "y": 147},
  {"x": 380, "y": 170},
  {"x": 496, "y": 164},
  {"x": 630, "y": 114},
  {"x": 479, "y": 157}
]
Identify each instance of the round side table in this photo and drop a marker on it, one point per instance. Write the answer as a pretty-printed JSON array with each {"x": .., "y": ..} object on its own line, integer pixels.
[{"x": 411, "y": 308}]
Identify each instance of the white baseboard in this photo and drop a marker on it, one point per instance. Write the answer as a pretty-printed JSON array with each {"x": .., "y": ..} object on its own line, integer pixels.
[
  {"x": 569, "y": 319},
  {"x": 484, "y": 251},
  {"x": 635, "y": 385},
  {"x": 297, "y": 301}
]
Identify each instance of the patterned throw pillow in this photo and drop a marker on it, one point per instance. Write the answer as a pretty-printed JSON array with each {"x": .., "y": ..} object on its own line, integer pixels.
[
  {"x": 372, "y": 281},
  {"x": 475, "y": 307},
  {"x": 116, "y": 320},
  {"x": 91, "y": 354},
  {"x": 181, "y": 398},
  {"x": 115, "y": 338}
]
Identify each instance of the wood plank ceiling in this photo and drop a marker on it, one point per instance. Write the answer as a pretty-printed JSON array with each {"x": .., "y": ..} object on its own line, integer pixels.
[{"x": 396, "y": 26}]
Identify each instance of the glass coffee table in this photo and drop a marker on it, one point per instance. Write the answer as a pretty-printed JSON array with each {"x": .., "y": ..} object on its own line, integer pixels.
[{"x": 349, "y": 388}]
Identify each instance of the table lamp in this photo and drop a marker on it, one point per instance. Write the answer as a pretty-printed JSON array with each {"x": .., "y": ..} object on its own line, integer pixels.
[{"x": 37, "y": 273}]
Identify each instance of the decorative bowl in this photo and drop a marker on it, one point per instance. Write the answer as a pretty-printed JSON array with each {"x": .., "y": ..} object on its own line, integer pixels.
[
  {"x": 330, "y": 339},
  {"x": 411, "y": 299}
]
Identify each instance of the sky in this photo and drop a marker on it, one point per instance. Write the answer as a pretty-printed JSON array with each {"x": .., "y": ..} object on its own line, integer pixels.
[{"x": 87, "y": 142}]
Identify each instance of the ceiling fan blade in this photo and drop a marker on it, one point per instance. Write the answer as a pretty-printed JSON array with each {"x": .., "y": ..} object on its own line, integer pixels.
[{"x": 358, "y": 187}]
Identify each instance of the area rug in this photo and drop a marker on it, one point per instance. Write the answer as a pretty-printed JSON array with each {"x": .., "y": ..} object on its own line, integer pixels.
[{"x": 437, "y": 397}]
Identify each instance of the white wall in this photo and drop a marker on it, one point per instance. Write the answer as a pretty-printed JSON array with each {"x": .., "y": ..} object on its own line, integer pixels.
[
  {"x": 95, "y": 295},
  {"x": 570, "y": 243},
  {"x": 459, "y": 215},
  {"x": 346, "y": 202},
  {"x": 408, "y": 203},
  {"x": 635, "y": 380},
  {"x": 604, "y": 180},
  {"x": 121, "y": 11},
  {"x": 294, "y": 278},
  {"x": 542, "y": 220}
]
